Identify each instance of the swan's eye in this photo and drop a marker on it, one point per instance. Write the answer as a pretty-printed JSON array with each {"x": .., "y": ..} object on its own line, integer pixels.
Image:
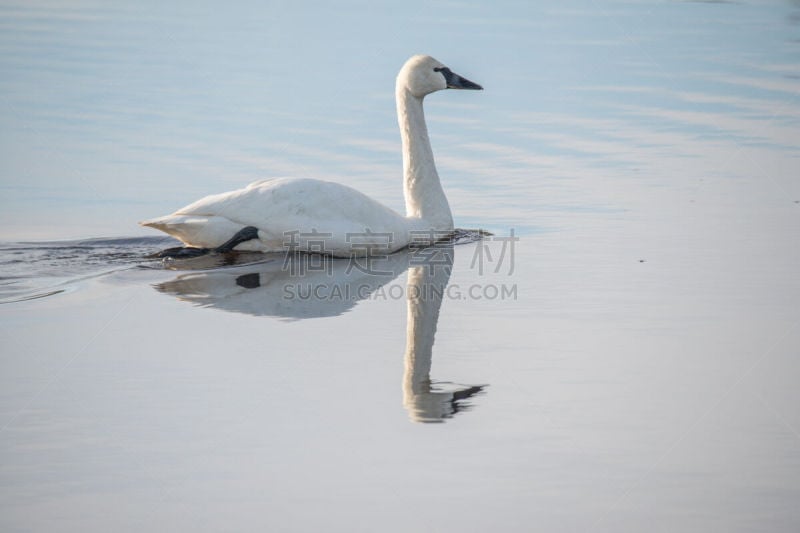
[{"x": 443, "y": 70}]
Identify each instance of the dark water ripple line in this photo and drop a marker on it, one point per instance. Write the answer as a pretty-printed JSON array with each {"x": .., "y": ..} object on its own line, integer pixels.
[
  {"x": 58, "y": 288},
  {"x": 34, "y": 270}
]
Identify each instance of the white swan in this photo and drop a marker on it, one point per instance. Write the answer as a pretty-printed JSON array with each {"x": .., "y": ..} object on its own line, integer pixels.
[{"x": 320, "y": 216}]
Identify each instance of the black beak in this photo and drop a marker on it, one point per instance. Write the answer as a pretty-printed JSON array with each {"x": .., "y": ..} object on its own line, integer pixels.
[{"x": 454, "y": 81}]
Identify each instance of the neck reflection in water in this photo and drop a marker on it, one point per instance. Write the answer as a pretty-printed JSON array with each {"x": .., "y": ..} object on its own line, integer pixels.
[
  {"x": 425, "y": 400},
  {"x": 302, "y": 286}
]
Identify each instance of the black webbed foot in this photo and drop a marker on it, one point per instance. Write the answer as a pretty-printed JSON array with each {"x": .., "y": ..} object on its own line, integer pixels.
[
  {"x": 245, "y": 234},
  {"x": 187, "y": 252}
]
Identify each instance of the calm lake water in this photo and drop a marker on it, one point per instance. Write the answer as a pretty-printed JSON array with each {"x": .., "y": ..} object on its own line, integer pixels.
[{"x": 620, "y": 355}]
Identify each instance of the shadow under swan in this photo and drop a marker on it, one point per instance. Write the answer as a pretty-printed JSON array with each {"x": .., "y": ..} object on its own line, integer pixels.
[{"x": 302, "y": 286}]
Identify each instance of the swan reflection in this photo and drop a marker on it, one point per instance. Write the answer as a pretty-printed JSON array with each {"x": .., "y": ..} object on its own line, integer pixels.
[
  {"x": 289, "y": 287},
  {"x": 301, "y": 286},
  {"x": 425, "y": 400}
]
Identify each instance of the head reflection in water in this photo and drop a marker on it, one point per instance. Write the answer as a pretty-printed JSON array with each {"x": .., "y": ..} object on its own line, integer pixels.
[{"x": 262, "y": 289}]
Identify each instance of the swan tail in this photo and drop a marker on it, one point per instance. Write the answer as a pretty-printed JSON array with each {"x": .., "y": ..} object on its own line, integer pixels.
[
  {"x": 160, "y": 223},
  {"x": 197, "y": 231}
]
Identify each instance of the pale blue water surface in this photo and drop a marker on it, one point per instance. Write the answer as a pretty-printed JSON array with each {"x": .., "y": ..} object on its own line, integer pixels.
[{"x": 630, "y": 365}]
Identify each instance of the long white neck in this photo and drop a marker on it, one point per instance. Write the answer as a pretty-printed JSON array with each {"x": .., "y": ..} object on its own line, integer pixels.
[{"x": 422, "y": 189}]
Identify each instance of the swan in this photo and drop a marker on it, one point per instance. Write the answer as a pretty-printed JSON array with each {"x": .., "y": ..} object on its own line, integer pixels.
[{"x": 311, "y": 215}]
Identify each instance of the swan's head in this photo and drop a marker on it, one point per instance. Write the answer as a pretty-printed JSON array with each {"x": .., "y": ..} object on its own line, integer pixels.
[{"x": 422, "y": 75}]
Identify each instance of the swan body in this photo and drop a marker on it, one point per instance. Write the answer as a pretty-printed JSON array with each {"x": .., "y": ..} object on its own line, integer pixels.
[
  {"x": 319, "y": 216},
  {"x": 301, "y": 211}
]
